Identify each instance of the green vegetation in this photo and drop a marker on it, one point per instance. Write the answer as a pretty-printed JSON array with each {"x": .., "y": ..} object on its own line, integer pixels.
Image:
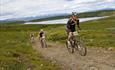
[
  {"x": 96, "y": 33},
  {"x": 11, "y": 22},
  {"x": 17, "y": 53},
  {"x": 97, "y": 13},
  {"x": 99, "y": 33}
]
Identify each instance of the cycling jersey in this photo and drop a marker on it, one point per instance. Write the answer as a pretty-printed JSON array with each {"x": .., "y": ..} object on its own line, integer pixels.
[
  {"x": 71, "y": 25},
  {"x": 41, "y": 34}
]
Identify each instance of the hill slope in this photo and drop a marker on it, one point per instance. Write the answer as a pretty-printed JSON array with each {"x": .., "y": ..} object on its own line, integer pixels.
[
  {"x": 96, "y": 34},
  {"x": 16, "y": 51}
]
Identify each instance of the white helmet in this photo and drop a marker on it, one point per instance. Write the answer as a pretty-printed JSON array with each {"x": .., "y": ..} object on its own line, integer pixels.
[{"x": 74, "y": 13}]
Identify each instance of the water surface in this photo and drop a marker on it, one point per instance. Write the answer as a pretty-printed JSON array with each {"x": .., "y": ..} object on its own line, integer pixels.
[{"x": 64, "y": 21}]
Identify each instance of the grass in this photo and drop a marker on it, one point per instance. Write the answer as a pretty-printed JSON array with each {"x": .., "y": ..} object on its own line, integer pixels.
[
  {"x": 101, "y": 31},
  {"x": 96, "y": 33},
  {"x": 17, "y": 53}
]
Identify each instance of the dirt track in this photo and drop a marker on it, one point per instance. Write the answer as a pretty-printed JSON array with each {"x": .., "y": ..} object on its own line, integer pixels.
[{"x": 96, "y": 58}]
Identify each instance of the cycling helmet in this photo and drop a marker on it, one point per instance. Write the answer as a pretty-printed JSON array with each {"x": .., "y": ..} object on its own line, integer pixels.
[{"x": 74, "y": 13}]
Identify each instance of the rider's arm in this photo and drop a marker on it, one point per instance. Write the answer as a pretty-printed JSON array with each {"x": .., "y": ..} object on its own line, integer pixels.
[
  {"x": 39, "y": 35},
  {"x": 78, "y": 24},
  {"x": 68, "y": 24}
]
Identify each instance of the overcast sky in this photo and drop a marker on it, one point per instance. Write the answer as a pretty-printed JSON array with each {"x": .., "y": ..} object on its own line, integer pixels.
[{"x": 30, "y": 8}]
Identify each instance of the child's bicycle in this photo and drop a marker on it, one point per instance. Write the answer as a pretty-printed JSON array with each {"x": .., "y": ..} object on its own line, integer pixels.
[{"x": 76, "y": 43}]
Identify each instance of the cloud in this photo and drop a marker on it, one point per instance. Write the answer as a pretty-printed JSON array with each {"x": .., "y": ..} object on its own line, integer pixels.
[{"x": 28, "y": 8}]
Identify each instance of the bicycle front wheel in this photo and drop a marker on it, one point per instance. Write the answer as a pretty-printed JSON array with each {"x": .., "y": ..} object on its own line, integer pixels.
[
  {"x": 43, "y": 43},
  {"x": 81, "y": 48},
  {"x": 69, "y": 47}
]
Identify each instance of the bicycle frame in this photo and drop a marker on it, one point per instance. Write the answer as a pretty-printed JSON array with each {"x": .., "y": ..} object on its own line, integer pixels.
[
  {"x": 76, "y": 44},
  {"x": 43, "y": 42}
]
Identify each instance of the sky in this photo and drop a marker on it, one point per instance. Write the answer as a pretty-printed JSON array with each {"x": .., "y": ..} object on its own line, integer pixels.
[{"x": 31, "y": 8}]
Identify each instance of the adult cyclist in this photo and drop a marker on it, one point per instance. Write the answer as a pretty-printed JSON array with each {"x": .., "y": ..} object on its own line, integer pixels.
[
  {"x": 42, "y": 38},
  {"x": 32, "y": 37},
  {"x": 41, "y": 34},
  {"x": 71, "y": 25}
]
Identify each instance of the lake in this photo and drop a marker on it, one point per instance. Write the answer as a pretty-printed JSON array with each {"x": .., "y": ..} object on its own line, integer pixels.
[{"x": 64, "y": 21}]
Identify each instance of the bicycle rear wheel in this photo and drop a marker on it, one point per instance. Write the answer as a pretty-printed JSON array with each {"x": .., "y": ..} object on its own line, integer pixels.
[
  {"x": 43, "y": 43},
  {"x": 69, "y": 47},
  {"x": 81, "y": 48}
]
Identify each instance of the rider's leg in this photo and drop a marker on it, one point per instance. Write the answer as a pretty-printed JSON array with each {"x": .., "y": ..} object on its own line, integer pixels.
[
  {"x": 41, "y": 42},
  {"x": 68, "y": 40},
  {"x": 68, "y": 33},
  {"x": 69, "y": 36},
  {"x": 67, "y": 30}
]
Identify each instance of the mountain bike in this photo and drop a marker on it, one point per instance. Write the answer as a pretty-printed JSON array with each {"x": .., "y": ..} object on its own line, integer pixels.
[
  {"x": 75, "y": 43},
  {"x": 32, "y": 39},
  {"x": 43, "y": 42}
]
